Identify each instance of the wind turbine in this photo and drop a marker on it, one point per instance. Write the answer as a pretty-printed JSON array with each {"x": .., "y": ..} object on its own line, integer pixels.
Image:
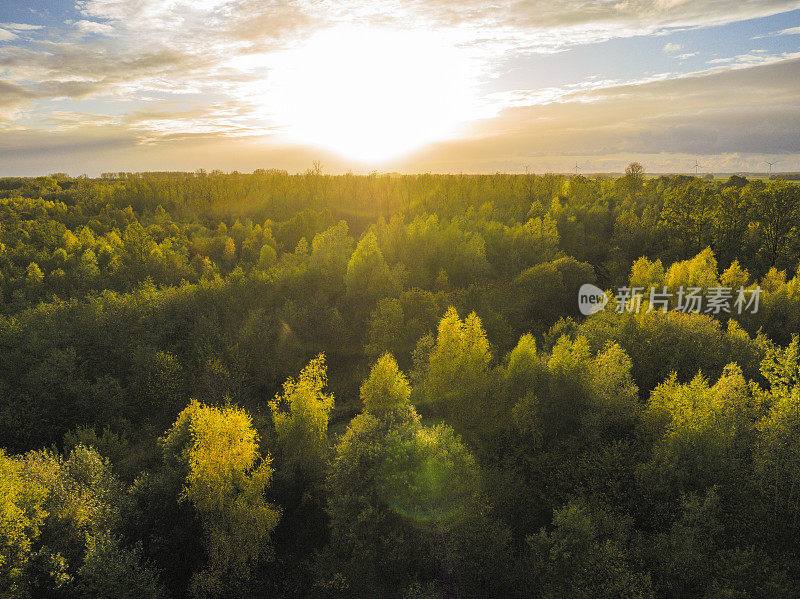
[
  {"x": 696, "y": 168},
  {"x": 770, "y": 165},
  {"x": 576, "y": 167}
]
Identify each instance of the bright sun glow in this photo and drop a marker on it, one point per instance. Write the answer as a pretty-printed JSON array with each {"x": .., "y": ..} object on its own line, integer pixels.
[{"x": 372, "y": 94}]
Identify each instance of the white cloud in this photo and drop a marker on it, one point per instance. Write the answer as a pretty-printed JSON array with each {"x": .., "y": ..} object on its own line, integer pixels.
[
  {"x": 499, "y": 25},
  {"x": 6, "y": 36},
  {"x": 20, "y": 26},
  {"x": 790, "y": 31},
  {"x": 94, "y": 27},
  {"x": 753, "y": 58},
  {"x": 671, "y": 48}
]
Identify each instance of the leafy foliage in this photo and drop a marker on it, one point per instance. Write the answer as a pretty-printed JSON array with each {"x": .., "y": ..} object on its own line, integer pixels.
[
  {"x": 226, "y": 483},
  {"x": 529, "y": 451}
]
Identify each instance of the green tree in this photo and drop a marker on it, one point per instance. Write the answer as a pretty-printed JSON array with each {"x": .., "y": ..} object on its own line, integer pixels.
[
  {"x": 51, "y": 504},
  {"x": 575, "y": 392},
  {"x": 585, "y": 555},
  {"x": 776, "y": 210},
  {"x": 373, "y": 550},
  {"x": 368, "y": 277},
  {"x": 688, "y": 213},
  {"x": 267, "y": 257},
  {"x": 397, "y": 323},
  {"x": 401, "y": 500},
  {"x": 110, "y": 571},
  {"x": 137, "y": 254},
  {"x": 698, "y": 430},
  {"x": 634, "y": 178},
  {"x": 330, "y": 254}
]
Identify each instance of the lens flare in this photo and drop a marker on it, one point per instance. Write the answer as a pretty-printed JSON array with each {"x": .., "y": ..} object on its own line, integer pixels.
[{"x": 429, "y": 478}]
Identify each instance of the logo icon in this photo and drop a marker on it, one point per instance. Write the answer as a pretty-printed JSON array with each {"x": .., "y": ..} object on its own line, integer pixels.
[{"x": 591, "y": 299}]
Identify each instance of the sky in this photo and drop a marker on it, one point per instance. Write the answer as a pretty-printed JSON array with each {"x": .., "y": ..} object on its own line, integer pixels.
[{"x": 473, "y": 86}]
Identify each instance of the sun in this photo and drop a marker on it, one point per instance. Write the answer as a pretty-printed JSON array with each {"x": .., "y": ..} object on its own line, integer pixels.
[{"x": 372, "y": 94}]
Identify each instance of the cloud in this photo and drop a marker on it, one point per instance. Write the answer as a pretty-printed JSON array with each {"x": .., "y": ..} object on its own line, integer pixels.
[
  {"x": 206, "y": 40},
  {"x": 747, "y": 110},
  {"x": 542, "y": 25},
  {"x": 731, "y": 118},
  {"x": 20, "y": 26},
  {"x": 752, "y": 58},
  {"x": 166, "y": 122},
  {"x": 522, "y": 25},
  {"x": 790, "y": 31},
  {"x": 102, "y": 147},
  {"x": 543, "y": 13},
  {"x": 192, "y": 69},
  {"x": 12, "y": 97},
  {"x": 93, "y": 62},
  {"x": 11, "y": 93},
  {"x": 65, "y": 89},
  {"x": 94, "y": 27}
]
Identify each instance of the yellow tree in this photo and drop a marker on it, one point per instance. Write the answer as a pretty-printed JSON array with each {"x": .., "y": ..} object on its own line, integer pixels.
[
  {"x": 301, "y": 415},
  {"x": 386, "y": 388},
  {"x": 226, "y": 482},
  {"x": 459, "y": 379},
  {"x": 777, "y": 455},
  {"x": 22, "y": 514}
]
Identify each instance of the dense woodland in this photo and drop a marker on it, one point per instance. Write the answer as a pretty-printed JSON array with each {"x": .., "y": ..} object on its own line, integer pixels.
[{"x": 274, "y": 385}]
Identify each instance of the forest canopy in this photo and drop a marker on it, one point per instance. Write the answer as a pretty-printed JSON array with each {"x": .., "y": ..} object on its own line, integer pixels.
[{"x": 274, "y": 385}]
